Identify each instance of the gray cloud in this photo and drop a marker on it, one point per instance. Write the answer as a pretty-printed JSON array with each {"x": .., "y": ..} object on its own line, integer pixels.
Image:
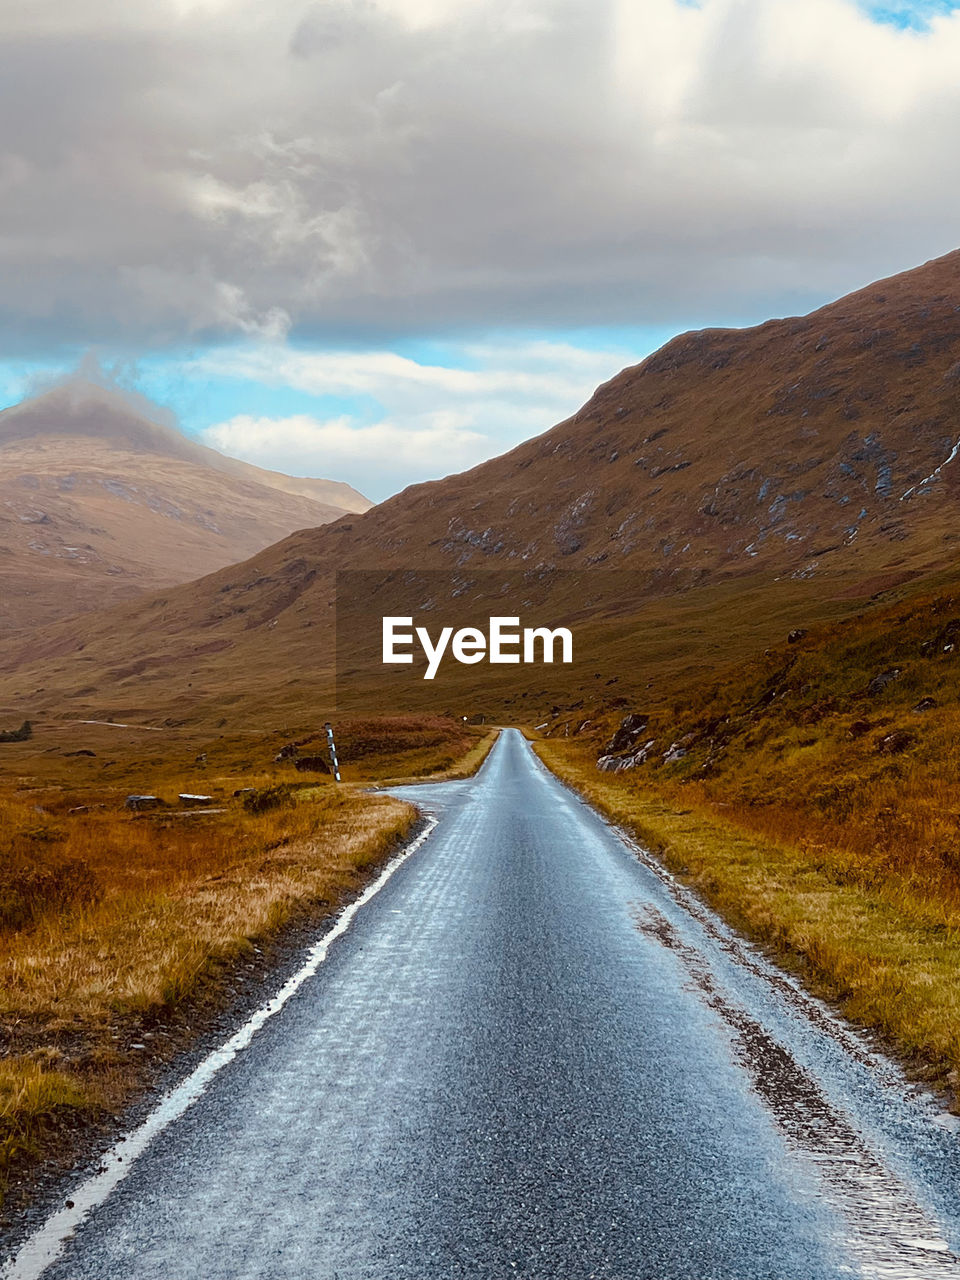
[{"x": 174, "y": 172}]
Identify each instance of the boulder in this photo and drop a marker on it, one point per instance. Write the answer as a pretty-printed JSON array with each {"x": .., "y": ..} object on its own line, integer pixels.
[
  {"x": 796, "y": 635},
  {"x": 139, "y": 803},
  {"x": 944, "y": 640},
  {"x": 630, "y": 729},
  {"x": 311, "y": 764},
  {"x": 893, "y": 743},
  {"x": 17, "y": 735},
  {"x": 880, "y": 682},
  {"x": 618, "y": 764}
]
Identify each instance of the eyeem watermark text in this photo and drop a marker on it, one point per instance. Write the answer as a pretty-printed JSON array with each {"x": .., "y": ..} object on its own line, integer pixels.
[{"x": 503, "y": 642}]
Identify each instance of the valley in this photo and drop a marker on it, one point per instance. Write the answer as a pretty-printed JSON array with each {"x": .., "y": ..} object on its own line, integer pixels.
[{"x": 734, "y": 486}]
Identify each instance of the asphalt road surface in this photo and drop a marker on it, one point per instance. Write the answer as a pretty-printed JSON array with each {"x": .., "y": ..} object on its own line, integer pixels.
[{"x": 531, "y": 1054}]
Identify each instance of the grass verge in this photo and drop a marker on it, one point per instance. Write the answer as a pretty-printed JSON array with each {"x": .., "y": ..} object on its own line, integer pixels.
[
  {"x": 124, "y": 934},
  {"x": 465, "y": 767},
  {"x": 167, "y": 909},
  {"x": 887, "y": 952}
]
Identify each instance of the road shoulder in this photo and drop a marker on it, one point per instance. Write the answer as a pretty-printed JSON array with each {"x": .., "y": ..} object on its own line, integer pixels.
[{"x": 886, "y": 958}]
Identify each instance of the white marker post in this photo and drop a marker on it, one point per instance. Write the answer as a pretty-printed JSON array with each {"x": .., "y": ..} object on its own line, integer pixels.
[{"x": 333, "y": 750}]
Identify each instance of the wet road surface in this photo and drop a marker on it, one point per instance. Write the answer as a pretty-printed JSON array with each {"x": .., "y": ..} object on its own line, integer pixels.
[{"x": 530, "y": 1053}]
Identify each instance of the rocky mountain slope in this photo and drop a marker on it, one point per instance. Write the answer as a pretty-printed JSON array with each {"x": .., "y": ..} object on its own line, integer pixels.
[
  {"x": 740, "y": 482},
  {"x": 99, "y": 503}
]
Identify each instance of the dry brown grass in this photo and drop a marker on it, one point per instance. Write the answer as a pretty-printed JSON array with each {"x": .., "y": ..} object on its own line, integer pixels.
[
  {"x": 164, "y": 895},
  {"x": 465, "y": 767},
  {"x": 32, "y": 1094}
]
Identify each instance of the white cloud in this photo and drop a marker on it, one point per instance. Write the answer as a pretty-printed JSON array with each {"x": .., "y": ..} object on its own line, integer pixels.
[
  {"x": 380, "y": 169},
  {"x": 544, "y": 371},
  {"x": 432, "y": 420},
  {"x": 380, "y": 456}
]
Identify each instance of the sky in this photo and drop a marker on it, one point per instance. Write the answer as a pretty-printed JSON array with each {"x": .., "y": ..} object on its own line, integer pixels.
[{"x": 383, "y": 240}]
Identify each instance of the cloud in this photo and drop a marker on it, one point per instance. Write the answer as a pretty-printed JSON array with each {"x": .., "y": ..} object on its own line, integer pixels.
[
  {"x": 195, "y": 169},
  {"x": 377, "y": 453},
  {"x": 418, "y": 420},
  {"x": 547, "y": 372}
]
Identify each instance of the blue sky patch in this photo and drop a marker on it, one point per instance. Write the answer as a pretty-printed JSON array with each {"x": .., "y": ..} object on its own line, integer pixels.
[{"x": 913, "y": 16}]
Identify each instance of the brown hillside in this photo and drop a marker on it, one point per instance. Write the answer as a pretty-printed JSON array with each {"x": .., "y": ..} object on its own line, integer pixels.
[
  {"x": 99, "y": 503},
  {"x": 749, "y": 480}
]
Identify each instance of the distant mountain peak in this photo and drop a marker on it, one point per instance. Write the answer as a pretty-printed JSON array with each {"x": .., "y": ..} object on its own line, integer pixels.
[
  {"x": 83, "y": 408},
  {"x": 101, "y": 499},
  {"x": 80, "y": 408}
]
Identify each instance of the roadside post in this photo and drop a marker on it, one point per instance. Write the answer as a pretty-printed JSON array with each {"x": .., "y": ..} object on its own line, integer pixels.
[{"x": 333, "y": 750}]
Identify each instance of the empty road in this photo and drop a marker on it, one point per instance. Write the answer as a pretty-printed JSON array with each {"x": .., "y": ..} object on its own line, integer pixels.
[{"x": 531, "y": 1054}]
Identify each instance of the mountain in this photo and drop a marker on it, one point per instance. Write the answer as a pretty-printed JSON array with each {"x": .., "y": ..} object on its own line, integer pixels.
[
  {"x": 735, "y": 484},
  {"x": 100, "y": 502}
]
